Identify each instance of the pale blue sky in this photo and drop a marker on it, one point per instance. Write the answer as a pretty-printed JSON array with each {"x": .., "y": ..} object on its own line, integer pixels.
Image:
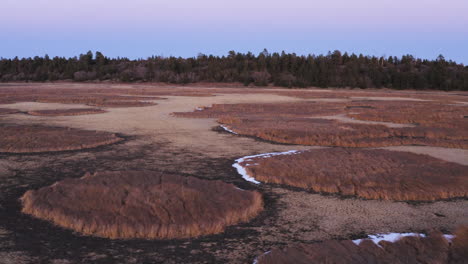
[{"x": 140, "y": 28}]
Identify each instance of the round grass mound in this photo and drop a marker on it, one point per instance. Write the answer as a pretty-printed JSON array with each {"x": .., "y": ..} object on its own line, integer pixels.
[
  {"x": 306, "y": 123},
  {"x": 139, "y": 204},
  {"x": 434, "y": 248},
  {"x": 35, "y": 139},
  {"x": 67, "y": 112},
  {"x": 366, "y": 173}
]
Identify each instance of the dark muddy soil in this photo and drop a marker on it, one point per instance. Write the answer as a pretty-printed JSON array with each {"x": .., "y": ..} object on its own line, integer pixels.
[{"x": 43, "y": 242}]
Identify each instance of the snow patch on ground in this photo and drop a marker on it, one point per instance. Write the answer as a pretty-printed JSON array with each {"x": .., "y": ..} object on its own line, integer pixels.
[
  {"x": 449, "y": 237},
  {"x": 243, "y": 172},
  {"x": 256, "y": 259},
  {"x": 392, "y": 237},
  {"x": 228, "y": 130}
]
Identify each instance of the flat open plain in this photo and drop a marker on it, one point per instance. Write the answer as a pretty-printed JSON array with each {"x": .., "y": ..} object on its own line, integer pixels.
[{"x": 175, "y": 130}]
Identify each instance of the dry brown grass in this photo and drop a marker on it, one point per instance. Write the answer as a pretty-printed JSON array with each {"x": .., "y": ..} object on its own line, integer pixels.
[
  {"x": 67, "y": 112},
  {"x": 459, "y": 249},
  {"x": 339, "y": 93},
  {"x": 430, "y": 114},
  {"x": 149, "y": 205},
  {"x": 297, "y": 109},
  {"x": 380, "y": 94},
  {"x": 371, "y": 174},
  {"x": 6, "y": 111},
  {"x": 423, "y": 250},
  {"x": 9, "y": 94},
  {"x": 93, "y": 95},
  {"x": 33, "y": 139},
  {"x": 86, "y": 95},
  {"x": 292, "y": 123},
  {"x": 98, "y": 100},
  {"x": 320, "y": 132}
]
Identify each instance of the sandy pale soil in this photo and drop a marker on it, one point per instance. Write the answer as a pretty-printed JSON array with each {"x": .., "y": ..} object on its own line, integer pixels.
[
  {"x": 390, "y": 98},
  {"x": 345, "y": 119},
  {"x": 159, "y": 141}
]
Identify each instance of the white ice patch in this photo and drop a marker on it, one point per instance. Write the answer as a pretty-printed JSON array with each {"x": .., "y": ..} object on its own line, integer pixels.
[
  {"x": 449, "y": 237},
  {"x": 228, "y": 130},
  {"x": 198, "y": 109},
  {"x": 392, "y": 237},
  {"x": 256, "y": 259},
  {"x": 243, "y": 172}
]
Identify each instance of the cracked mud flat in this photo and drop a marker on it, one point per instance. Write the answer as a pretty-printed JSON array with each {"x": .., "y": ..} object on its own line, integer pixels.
[{"x": 160, "y": 142}]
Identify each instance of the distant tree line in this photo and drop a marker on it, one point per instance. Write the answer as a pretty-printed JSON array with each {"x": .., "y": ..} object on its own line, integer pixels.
[{"x": 281, "y": 69}]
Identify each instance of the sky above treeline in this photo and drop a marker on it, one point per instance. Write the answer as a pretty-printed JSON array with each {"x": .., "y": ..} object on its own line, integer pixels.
[{"x": 141, "y": 28}]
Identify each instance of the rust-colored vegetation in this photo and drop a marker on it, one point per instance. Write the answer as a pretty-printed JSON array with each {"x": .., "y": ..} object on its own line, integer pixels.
[
  {"x": 95, "y": 95},
  {"x": 370, "y": 174},
  {"x": 300, "y": 123},
  {"x": 33, "y": 139},
  {"x": 459, "y": 250},
  {"x": 87, "y": 96},
  {"x": 266, "y": 110},
  {"x": 339, "y": 93},
  {"x": 309, "y": 131},
  {"x": 6, "y": 111},
  {"x": 149, "y": 205},
  {"x": 67, "y": 112},
  {"x": 433, "y": 248},
  {"x": 101, "y": 100},
  {"x": 430, "y": 114}
]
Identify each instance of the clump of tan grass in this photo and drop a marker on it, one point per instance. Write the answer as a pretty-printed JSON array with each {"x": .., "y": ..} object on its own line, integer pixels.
[
  {"x": 148, "y": 205},
  {"x": 459, "y": 248},
  {"x": 294, "y": 123},
  {"x": 6, "y": 111},
  {"x": 94, "y": 94},
  {"x": 370, "y": 174},
  {"x": 433, "y": 248},
  {"x": 429, "y": 114},
  {"x": 309, "y": 131},
  {"x": 297, "y": 109},
  {"x": 33, "y": 139},
  {"x": 67, "y": 112},
  {"x": 97, "y": 100}
]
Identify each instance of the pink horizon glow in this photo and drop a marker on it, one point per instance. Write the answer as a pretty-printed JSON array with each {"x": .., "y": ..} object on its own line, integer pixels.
[
  {"x": 448, "y": 14},
  {"x": 140, "y": 28}
]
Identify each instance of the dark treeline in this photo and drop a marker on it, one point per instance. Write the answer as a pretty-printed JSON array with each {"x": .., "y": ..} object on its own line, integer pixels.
[{"x": 281, "y": 69}]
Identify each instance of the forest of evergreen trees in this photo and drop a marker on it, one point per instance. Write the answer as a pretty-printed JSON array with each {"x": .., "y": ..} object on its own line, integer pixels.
[{"x": 281, "y": 69}]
